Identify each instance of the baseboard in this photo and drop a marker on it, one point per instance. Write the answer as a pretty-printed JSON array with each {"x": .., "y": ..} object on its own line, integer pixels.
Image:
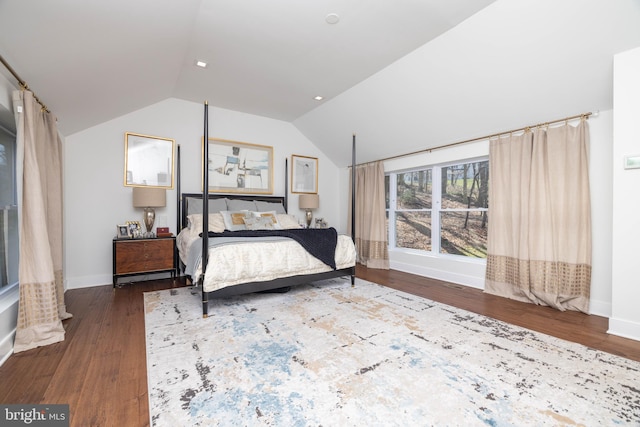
[
  {"x": 597, "y": 308},
  {"x": 88, "y": 281},
  {"x": 600, "y": 308},
  {"x": 447, "y": 276},
  {"x": 624, "y": 328},
  {"x": 6, "y": 347}
]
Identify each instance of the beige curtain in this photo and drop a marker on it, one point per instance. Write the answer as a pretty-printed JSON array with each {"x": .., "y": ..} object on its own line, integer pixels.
[
  {"x": 371, "y": 230},
  {"x": 41, "y": 308},
  {"x": 539, "y": 239}
]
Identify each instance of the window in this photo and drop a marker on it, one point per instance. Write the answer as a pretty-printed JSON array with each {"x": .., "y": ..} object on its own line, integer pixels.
[
  {"x": 8, "y": 211},
  {"x": 440, "y": 209}
]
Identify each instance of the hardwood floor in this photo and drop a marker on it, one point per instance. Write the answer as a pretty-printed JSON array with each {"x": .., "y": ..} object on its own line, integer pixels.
[{"x": 100, "y": 368}]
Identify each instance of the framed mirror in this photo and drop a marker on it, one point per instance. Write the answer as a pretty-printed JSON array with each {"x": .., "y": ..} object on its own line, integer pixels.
[{"x": 148, "y": 161}]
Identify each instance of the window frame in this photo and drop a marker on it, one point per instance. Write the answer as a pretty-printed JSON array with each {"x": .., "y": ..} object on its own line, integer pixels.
[
  {"x": 436, "y": 210},
  {"x": 12, "y": 253}
]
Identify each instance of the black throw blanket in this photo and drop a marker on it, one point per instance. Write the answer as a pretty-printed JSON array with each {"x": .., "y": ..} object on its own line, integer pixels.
[{"x": 319, "y": 242}]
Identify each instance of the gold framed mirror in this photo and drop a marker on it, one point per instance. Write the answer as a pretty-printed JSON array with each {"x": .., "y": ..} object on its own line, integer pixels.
[{"x": 148, "y": 161}]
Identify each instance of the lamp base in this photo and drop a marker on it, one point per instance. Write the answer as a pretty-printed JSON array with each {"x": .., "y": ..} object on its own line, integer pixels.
[
  {"x": 309, "y": 217},
  {"x": 149, "y": 219}
]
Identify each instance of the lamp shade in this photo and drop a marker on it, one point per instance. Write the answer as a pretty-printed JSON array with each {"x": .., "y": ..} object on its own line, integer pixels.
[
  {"x": 308, "y": 201},
  {"x": 149, "y": 197}
]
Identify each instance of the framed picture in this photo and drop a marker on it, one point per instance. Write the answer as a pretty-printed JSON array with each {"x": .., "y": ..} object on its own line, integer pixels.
[
  {"x": 148, "y": 161},
  {"x": 321, "y": 223},
  {"x": 122, "y": 231},
  {"x": 239, "y": 167},
  {"x": 135, "y": 231},
  {"x": 304, "y": 174}
]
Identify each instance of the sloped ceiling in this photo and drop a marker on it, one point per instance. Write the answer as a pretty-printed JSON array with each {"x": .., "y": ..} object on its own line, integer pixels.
[
  {"x": 91, "y": 61},
  {"x": 511, "y": 65},
  {"x": 403, "y": 75}
]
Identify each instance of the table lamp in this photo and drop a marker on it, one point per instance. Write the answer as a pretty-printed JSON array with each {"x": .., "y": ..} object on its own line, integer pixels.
[
  {"x": 308, "y": 202},
  {"x": 149, "y": 198}
]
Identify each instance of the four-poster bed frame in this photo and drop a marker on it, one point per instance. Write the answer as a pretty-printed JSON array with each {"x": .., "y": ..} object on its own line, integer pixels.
[{"x": 257, "y": 286}]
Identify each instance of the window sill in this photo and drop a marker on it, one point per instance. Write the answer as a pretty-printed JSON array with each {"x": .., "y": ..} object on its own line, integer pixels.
[
  {"x": 435, "y": 256},
  {"x": 9, "y": 296}
]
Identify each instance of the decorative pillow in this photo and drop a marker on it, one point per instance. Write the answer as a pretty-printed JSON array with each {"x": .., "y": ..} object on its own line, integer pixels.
[
  {"x": 258, "y": 223},
  {"x": 234, "y": 220},
  {"x": 216, "y": 223},
  {"x": 215, "y": 205},
  {"x": 241, "y": 205},
  {"x": 287, "y": 221},
  {"x": 270, "y": 206},
  {"x": 271, "y": 216}
]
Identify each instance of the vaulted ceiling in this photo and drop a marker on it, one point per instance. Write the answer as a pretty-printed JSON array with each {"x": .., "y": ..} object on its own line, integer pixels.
[
  {"x": 402, "y": 74},
  {"x": 95, "y": 60}
]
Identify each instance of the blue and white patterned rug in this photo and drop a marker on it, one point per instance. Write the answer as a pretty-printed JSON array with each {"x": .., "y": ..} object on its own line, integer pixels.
[{"x": 332, "y": 355}]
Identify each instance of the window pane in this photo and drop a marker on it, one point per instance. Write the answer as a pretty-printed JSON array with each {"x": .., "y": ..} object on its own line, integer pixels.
[
  {"x": 8, "y": 211},
  {"x": 7, "y": 169},
  {"x": 386, "y": 191},
  {"x": 413, "y": 230},
  {"x": 414, "y": 190},
  {"x": 465, "y": 186},
  {"x": 8, "y": 245},
  {"x": 464, "y": 233}
]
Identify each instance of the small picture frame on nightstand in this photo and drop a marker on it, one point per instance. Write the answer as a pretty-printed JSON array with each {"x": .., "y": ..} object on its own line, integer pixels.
[
  {"x": 135, "y": 230},
  {"x": 122, "y": 232},
  {"x": 321, "y": 223}
]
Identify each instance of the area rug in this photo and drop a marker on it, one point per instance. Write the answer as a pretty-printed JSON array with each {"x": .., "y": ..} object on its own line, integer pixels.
[{"x": 327, "y": 354}]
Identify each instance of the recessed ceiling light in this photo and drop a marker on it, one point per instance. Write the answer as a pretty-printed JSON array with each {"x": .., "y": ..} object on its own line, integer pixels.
[
  {"x": 318, "y": 98},
  {"x": 332, "y": 18},
  {"x": 201, "y": 64}
]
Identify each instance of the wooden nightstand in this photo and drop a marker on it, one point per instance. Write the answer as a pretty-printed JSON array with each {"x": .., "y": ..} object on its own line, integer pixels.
[{"x": 143, "y": 256}]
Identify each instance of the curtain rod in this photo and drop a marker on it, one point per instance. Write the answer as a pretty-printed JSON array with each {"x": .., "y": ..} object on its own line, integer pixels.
[
  {"x": 22, "y": 83},
  {"x": 466, "y": 141}
]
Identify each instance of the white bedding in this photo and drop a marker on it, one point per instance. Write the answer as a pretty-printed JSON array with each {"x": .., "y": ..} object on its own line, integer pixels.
[{"x": 237, "y": 263}]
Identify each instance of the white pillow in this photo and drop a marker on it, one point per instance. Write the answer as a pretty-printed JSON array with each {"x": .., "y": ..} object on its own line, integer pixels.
[
  {"x": 287, "y": 221},
  {"x": 216, "y": 223},
  {"x": 271, "y": 215},
  {"x": 234, "y": 220}
]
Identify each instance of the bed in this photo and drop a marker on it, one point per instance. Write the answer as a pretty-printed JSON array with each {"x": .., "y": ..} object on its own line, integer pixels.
[
  {"x": 239, "y": 264},
  {"x": 239, "y": 244}
]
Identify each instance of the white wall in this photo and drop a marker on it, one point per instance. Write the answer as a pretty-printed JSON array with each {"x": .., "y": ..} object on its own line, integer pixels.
[
  {"x": 470, "y": 272},
  {"x": 96, "y": 199},
  {"x": 625, "y": 319}
]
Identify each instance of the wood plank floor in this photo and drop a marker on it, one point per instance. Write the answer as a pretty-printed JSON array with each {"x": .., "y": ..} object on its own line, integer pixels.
[{"x": 100, "y": 368}]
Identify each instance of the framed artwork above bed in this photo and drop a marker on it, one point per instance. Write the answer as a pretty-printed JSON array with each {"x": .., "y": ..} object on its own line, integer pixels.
[{"x": 239, "y": 167}]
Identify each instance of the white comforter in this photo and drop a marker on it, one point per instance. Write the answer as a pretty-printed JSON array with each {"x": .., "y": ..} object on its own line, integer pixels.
[{"x": 236, "y": 263}]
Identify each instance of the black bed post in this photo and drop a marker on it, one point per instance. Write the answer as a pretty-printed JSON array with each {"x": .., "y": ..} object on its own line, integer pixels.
[
  {"x": 286, "y": 184},
  {"x": 205, "y": 208},
  {"x": 353, "y": 203},
  {"x": 178, "y": 207}
]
